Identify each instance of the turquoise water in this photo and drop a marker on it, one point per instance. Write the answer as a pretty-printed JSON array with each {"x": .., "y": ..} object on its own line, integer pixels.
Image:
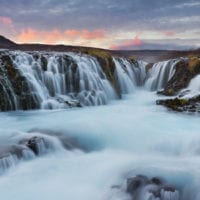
[{"x": 128, "y": 137}]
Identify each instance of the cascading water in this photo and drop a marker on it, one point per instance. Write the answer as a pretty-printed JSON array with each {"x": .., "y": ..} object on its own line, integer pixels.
[
  {"x": 24, "y": 147},
  {"x": 66, "y": 77},
  {"x": 59, "y": 80},
  {"x": 93, "y": 87},
  {"x": 129, "y": 75},
  {"x": 125, "y": 139},
  {"x": 160, "y": 74},
  {"x": 193, "y": 89}
]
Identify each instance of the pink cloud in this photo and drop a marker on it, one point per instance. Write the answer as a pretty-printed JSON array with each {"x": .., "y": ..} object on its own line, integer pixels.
[
  {"x": 128, "y": 43},
  {"x": 55, "y": 36},
  {"x": 6, "y": 21},
  {"x": 32, "y": 35},
  {"x": 85, "y": 34},
  {"x": 169, "y": 33}
]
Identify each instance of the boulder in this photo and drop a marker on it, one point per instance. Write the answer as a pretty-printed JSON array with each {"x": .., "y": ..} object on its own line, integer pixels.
[
  {"x": 181, "y": 104},
  {"x": 141, "y": 186}
]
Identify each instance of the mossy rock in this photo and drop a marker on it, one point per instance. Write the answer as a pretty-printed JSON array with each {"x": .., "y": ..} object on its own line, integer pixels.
[
  {"x": 194, "y": 64},
  {"x": 185, "y": 71},
  {"x": 174, "y": 104},
  {"x": 7, "y": 63},
  {"x": 14, "y": 87},
  {"x": 181, "y": 104},
  {"x": 133, "y": 60}
]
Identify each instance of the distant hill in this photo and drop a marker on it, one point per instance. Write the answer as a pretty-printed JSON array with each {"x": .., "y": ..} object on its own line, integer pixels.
[
  {"x": 147, "y": 55},
  {"x": 5, "y": 43}
]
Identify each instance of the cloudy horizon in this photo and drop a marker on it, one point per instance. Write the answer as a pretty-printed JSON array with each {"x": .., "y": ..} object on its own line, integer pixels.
[{"x": 111, "y": 24}]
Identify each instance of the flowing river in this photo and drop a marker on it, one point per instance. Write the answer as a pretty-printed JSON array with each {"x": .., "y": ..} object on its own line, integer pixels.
[{"x": 124, "y": 138}]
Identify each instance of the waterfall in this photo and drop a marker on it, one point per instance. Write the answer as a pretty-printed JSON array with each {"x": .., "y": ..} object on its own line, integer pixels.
[
  {"x": 160, "y": 74},
  {"x": 59, "y": 79},
  {"x": 128, "y": 75},
  {"x": 12, "y": 155},
  {"x": 54, "y": 80}
]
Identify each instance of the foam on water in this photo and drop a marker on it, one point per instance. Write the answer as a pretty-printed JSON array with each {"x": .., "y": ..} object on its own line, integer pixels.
[{"x": 128, "y": 137}]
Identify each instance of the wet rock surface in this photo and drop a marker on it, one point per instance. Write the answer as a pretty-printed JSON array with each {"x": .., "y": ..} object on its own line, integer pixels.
[
  {"x": 15, "y": 93},
  {"x": 68, "y": 142},
  {"x": 141, "y": 187},
  {"x": 185, "y": 71},
  {"x": 190, "y": 105}
]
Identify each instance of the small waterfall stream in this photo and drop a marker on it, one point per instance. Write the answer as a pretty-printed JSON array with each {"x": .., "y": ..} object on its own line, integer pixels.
[{"x": 160, "y": 74}]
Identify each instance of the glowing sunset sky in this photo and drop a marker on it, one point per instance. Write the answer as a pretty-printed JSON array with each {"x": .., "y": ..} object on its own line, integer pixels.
[{"x": 115, "y": 24}]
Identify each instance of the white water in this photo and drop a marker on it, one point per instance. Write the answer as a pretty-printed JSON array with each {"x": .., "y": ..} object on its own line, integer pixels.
[
  {"x": 160, "y": 74},
  {"x": 128, "y": 76},
  {"x": 123, "y": 139},
  {"x": 67, "y": 77},
  {"x": 128, "y": 137},
  {"x": 193, "y": 89},
  {"x": 61, "y": 80}
]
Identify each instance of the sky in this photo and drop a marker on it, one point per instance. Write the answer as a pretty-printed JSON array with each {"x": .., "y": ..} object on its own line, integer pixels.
[{"x": 110, "y": 24}]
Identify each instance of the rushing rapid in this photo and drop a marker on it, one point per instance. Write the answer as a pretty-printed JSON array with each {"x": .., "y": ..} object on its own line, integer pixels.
[{"x": 123, "y": 139}]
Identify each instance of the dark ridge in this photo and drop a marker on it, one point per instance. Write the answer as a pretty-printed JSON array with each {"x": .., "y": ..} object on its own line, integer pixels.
[
  {"x": 5, "y": 43},
  {"x": 146, "y": 55}
]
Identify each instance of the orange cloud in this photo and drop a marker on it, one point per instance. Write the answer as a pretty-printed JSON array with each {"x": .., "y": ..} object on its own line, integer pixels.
[
  {"x": 72, "y": 34},
  {"x": 85, "y": 34},
  {"x": 32, "y": 35},
  {"x": 128, "y": 43},
  {"x": 28, "y": 35},
  {"x": 56, "y": 36}
]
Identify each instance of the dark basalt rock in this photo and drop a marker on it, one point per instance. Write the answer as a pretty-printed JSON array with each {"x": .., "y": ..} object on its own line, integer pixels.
[
  {"x": 33, "y": 143},
  {"x": 181, "y": 105},
  {"x": 14, "y": 87},
  {"x": 156, "y": 187},
  {"x": 135, "y": 183},
  {"x": 185, "y": 70},
  {"x": 68, "y": 142},
  {"x": 156, "y": 181}
]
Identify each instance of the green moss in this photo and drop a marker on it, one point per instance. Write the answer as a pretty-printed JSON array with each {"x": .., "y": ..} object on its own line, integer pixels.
[
  {"x": 97, "y": 53},
  {"x": 175, "y": 104},
  {"x": 183, "y": 102},
  {"x": 132, "y": 59},
  {"x": 193, "y": 64}
]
